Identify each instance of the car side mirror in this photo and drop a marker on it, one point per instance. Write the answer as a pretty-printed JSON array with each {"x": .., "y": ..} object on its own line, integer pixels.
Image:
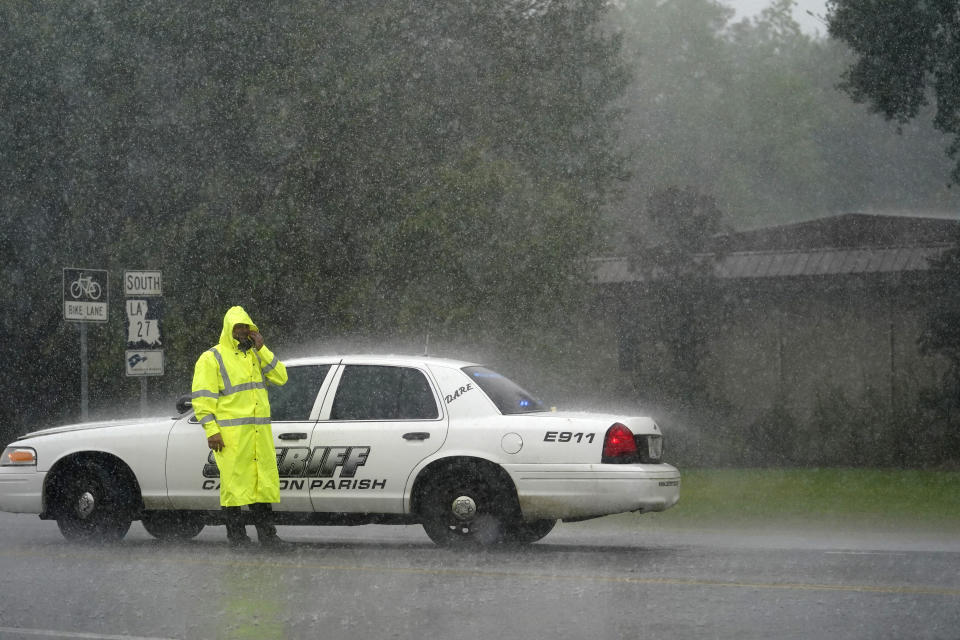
[{"x": 184, "y": 403}]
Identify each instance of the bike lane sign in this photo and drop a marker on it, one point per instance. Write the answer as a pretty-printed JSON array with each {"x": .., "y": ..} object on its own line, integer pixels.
[{"x": 85, "y": 295}]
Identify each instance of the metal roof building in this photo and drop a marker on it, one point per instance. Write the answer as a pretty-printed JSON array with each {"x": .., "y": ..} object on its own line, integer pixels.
[
  {"x": 848, "y": 244},
  {"x": 830, "y": 305}
]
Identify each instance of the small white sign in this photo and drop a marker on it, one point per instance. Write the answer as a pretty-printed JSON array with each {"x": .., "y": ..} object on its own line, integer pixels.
[
  {"x": 85, "y": 295},
  {"x": 142, "y": 283},
  {"x": 143, "y": 323},
  {"x": 145, "y": 362},
  {"x": 85, "y": 311}
]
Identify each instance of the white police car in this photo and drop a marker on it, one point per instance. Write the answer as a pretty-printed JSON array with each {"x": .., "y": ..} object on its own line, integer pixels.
[{"x": 451, "y": 445}]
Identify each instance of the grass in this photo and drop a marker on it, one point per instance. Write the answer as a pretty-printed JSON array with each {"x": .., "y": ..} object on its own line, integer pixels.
[{"x": 816, "y": 497}]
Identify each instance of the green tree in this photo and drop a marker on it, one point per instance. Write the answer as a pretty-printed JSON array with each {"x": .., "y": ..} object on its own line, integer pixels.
[
  {"x": 293, "y": 158},
  {"x": 497, "y": 254},
  {"x": 749, "y": 112},
  {"x": 907, "y": 52},
  {"x": 681, "y": 298},
  {"x": 941, "y": 330}
]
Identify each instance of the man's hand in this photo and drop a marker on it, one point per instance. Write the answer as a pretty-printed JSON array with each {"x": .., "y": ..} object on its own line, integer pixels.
[
  {"x": 257, "y": 339},
  {"x": 215, "y": 442}
]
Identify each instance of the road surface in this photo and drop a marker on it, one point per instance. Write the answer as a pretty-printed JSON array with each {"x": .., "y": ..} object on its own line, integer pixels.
[{"x": 593, "y": 580}]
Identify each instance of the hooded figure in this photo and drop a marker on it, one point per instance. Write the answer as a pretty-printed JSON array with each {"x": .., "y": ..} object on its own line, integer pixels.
[{"x": 230, "y": 401}]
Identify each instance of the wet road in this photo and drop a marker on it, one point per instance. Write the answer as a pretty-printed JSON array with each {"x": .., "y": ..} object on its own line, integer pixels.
[{"x": 599, "y": 579}]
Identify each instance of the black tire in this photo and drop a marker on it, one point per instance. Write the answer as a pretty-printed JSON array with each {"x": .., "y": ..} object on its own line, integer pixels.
[
  {"x": 462, "y": 508},
  {"x": 528, "y": 532},
  {"x": 91, "y": 505},
  {"x": 172, "y": 525}
]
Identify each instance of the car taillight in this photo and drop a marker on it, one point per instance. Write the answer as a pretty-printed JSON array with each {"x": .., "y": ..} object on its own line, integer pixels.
[
  {"x": 619, "y": 445},
  {"x": 650, "y": 448}
]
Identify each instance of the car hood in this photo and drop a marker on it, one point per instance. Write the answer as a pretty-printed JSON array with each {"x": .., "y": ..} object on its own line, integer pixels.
[{"x": 86, "y": 426}]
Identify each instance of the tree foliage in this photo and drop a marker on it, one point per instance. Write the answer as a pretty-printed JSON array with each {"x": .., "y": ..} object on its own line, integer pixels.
[
  {"x": 749, "y": 112},
  {"x": 907, "y": 61},
  {"x": 907, "y": 52},
  {"x": 677, "y": 262},
  {"x": 941, "y": 326},
  {"x": 387, "y": 169},
  {"x": 394, "y": 169}
]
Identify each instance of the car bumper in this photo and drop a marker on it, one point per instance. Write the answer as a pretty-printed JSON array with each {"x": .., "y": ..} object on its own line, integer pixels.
[
  {"x": 21, "y": 491},
  {"x": 584, "y": 491}
]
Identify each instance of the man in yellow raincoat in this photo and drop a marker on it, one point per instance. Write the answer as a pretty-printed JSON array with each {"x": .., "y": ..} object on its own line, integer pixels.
[{"x": 230, "y": 401}]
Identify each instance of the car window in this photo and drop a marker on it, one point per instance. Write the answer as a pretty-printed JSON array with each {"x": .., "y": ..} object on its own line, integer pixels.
[
  {"x": 509, "y": 397},
  {"x": 368, "y": 392},
  {"x": 294, "y": 400}
]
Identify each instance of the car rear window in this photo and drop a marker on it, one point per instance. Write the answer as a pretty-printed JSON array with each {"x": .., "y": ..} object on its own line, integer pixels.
[
  {"x": 369, "y": 392},
  {"x": 509, "y": 397}
]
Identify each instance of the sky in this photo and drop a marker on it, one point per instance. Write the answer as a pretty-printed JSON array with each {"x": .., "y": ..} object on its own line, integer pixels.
[{"x": 808, "y": 23}]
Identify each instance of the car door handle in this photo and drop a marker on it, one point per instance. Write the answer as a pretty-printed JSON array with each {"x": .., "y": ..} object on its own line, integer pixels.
[
  {"x": 292, "y": 436},
  {"x": 416, "y": 435}
]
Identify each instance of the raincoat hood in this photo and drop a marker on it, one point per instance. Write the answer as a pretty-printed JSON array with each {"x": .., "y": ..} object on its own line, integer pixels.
[{"x": 234, "y": 316}]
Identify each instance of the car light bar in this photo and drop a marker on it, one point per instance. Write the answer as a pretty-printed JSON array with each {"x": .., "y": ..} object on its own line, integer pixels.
[{"x": 18, "y": 457}]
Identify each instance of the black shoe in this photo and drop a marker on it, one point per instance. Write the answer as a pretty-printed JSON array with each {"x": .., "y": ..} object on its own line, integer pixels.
[{"x": 276, "y": 543}]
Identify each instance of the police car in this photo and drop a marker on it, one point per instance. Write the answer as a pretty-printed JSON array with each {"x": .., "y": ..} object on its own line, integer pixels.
[{"x": 451, "y": 445}]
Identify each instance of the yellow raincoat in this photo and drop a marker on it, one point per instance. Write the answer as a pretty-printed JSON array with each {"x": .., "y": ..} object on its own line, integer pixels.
[{"x": 230, "y": 398}]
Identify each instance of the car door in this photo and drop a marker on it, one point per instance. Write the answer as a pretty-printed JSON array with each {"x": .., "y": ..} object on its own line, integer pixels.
[
  {"x": 193, "y": 480},
  {"x": 379, "y": 422},
  {"x": 294, "y": 408}
]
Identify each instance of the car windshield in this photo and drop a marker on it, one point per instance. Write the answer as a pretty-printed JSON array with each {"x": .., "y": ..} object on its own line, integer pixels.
[{"x": 509, "y": 397}]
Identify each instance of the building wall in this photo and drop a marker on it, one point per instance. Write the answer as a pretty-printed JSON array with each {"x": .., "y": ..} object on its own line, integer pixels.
[{"x": 796, "y": 340}]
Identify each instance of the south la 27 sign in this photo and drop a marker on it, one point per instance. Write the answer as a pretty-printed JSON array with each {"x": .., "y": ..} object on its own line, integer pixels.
[{"x": 144, "y": 307}]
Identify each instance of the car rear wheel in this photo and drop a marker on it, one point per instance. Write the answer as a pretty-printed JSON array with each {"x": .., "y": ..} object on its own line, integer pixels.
[
  {"x": 463, "y": 508},
  {"x": 172, "y": 525},
  {"x": 527, "y": 532},
  {"x": 91, "y": 506}
]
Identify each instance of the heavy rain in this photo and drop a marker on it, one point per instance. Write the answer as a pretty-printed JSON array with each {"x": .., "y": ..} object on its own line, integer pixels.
[{"x": 738, "y": 218}]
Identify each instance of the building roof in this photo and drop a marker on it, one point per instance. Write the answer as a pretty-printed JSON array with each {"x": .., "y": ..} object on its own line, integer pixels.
[
  {"x": 847, "y": 244},
  {"x": 845, "y": 231},
  {"x": 783, "y": 264}
]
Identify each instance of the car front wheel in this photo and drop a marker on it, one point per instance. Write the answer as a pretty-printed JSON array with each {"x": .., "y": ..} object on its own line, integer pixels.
[{"x": 90, "y": 506}]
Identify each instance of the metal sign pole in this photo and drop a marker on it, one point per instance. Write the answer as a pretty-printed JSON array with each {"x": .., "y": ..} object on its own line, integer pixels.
[
  {"x": 84, "y": 394},
  {"x": 86, "y": 296},
  {"x": 143, "y": 397}
]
